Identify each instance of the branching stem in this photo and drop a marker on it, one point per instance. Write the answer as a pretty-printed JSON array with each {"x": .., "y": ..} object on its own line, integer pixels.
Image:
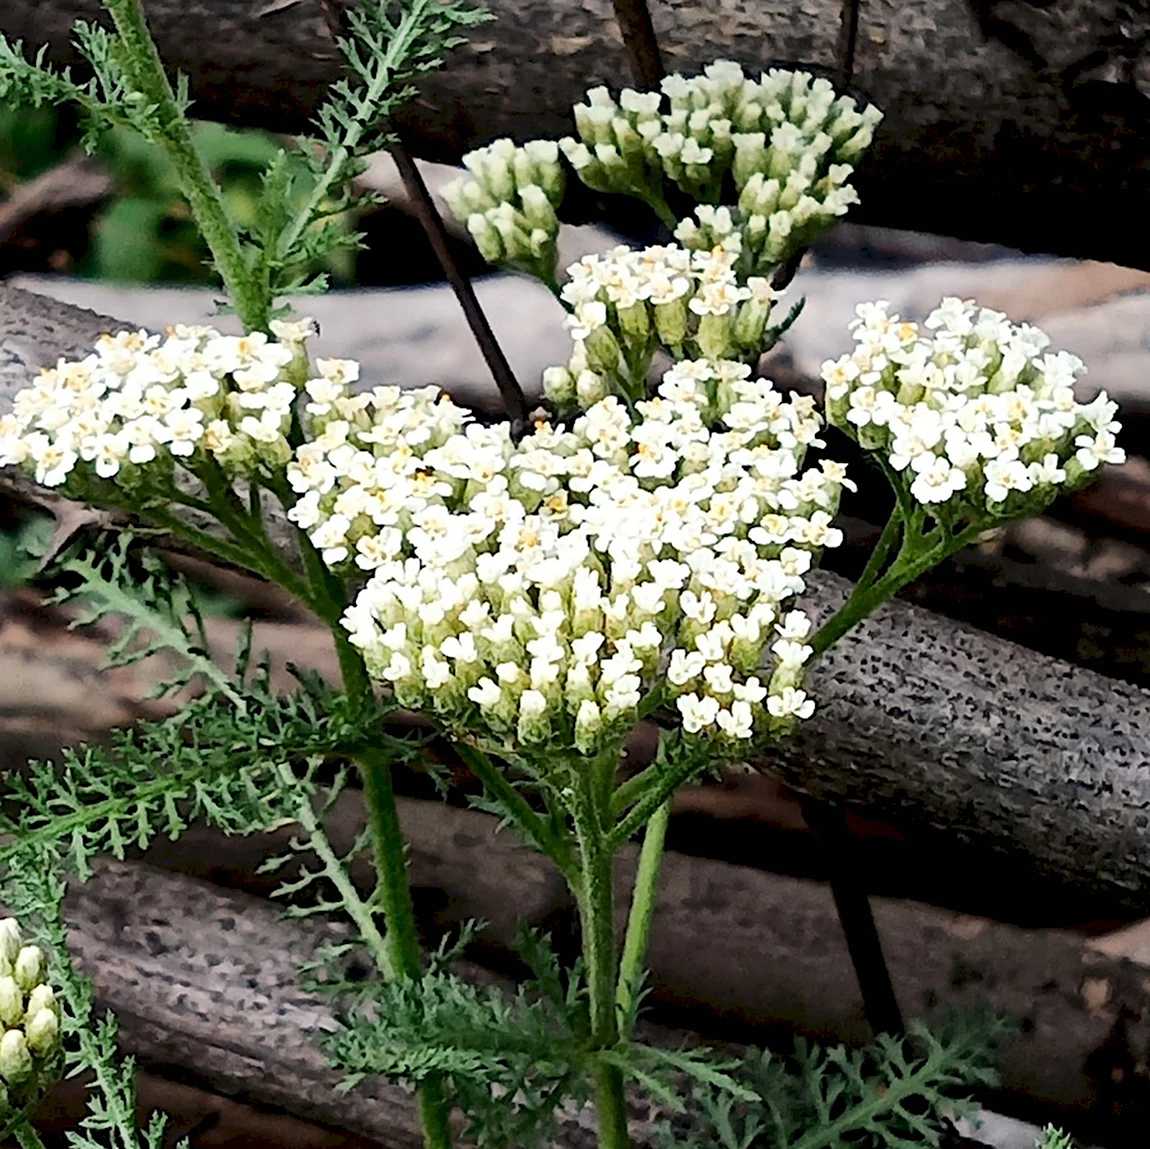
[
  {"x": 26, "y": 1136},
  {"x": 919, "y": 553},
  {"x": 145, "y": 71}
]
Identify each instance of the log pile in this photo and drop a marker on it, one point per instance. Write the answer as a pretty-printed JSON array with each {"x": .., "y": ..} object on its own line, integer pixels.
[
  {"x": 1020, "y": 123},
  {"x": 922, "y": 720}
]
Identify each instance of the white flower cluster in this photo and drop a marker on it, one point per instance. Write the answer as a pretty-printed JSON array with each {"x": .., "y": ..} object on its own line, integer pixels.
[
  {"x": 544, "y": 592},
  {"x": 625, "y": 303},
  {"x": 508, "y": 203},
  {"x": 785, "y": 139},
  {"x": 30, "y": 1018},
  {"x": 973, "y": 412},
  {"x": 143, "y": 400}
]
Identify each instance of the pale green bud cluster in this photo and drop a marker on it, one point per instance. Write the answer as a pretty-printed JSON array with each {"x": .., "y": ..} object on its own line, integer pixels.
[
  {"x": 30, "y": 1017},
  {"x": 785, "y": 142},
  {"x": 974, "y": 419},
  {"x": 509, "y": 201}
]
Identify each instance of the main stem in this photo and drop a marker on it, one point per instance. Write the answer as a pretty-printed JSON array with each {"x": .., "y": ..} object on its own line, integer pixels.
[
  {"x": 597, "y": 917},
  {"x": 643, "y": 899},
  {"x": 145, "y": 70},
  {"x": 26, "y": 1136},
  {"x": 393, "y": 885}
]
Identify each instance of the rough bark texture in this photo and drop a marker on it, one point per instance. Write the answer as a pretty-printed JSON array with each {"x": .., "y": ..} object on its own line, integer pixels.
[
  {"x": 1022, "y": 122},
  {"x": 921, "y": 720},
  {"x": 205, "y": 979}
]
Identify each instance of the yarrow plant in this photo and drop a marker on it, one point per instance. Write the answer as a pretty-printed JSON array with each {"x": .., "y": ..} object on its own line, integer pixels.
[{"x": 637, "y": 554}]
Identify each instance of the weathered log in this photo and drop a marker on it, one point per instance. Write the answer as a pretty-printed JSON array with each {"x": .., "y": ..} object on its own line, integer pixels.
[
  {"x": 204, "y": 978},
  {"x": 922, "y": 720},
  {"x": 1021, "y": 123}
]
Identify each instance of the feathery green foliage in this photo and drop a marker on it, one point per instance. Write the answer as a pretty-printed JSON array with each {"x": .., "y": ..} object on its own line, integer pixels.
[
  {"x": 213, "y": 761},
  {"x": 32, "y": 887},
  {"x": 159, "y": 612},
  {"x": 897, "y": 1093},
  {"x": 1053, "y": 1138},
  {"x": 388, "y": 45}
]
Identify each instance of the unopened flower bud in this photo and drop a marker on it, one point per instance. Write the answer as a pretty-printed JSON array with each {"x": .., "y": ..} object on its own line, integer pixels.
[
  {"x": 11, "y": 1002},
  {"x": 486, "y": 237},
  {"x": 602, "y": 350},
  {"x": 42, "y": 997},
  {"x": 750, "y": 157},
  {"x": 43, "y": 1032},
  {"x": 559, "y": 385},
  {"x": 537, "y": 209},
  {"x": 15, "y": 1058},
  {"x": 29, "y": 968},
  {"x": 533, "y": 725},
  {"x": 588, "y": 724},
  {"x": 671, "y": 322},
  {"x": 635, "y": 322},
  {"x": 714, "y": 337},
  {"x": 11, "y": 939}
]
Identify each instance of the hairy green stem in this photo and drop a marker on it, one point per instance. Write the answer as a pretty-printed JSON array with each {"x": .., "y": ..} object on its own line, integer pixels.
[
  {"x": 920, "y": 552},
  {"x": 26, "y": 1136},
  {"x": 657, "y": 786},
  {"x": 643, "y": 899},
  {"x": 145, "y": 71},
  {"x": 393, "y": 885},
  {"x": 530, "y": 823},
  {"x": 597, "y": 918},
  {"x": 401, "y": 944}
]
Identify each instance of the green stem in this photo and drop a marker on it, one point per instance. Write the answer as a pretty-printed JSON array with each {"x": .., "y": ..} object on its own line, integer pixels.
[
  {"x": 337, "y": 874},
  {"x": 398, "y": 48},
  {"x": 597, "y": 917},
  {"x": 26, "y": 1136},
  {"x": 918, "y": 554},
  {"x": 883, "y": 547},
  {"x": 530, "y": 823},
  {"x": 145, "y": 70},
  {"x": 393, "y": 886},
  {"x": 401, "y": 944},
  {"x": 657, "y": 787},
  {"x": 393, "y": 890},
  {"x": 643, "y": 899}
]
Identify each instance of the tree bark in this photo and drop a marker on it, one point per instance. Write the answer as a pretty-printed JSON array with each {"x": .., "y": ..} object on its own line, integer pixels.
[{"x": 1021, "y": 122}]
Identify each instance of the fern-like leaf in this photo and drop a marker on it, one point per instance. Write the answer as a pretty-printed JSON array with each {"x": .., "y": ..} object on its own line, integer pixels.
[
  {"x": 898, "y": 1093},
  {"x": 212, "y": 761}
]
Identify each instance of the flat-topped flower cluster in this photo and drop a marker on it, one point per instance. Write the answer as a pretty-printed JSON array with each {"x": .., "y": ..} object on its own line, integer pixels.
[
  {"x": 553, "y": 590},
  {"x": 142, "y": 400},
  {"x": 971, "y": 411},
  {"x": 626, "y": 303}
]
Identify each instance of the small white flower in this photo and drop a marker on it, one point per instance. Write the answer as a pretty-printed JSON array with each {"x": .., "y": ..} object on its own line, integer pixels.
[
  {"x": 790, "y": 702},
  {"x": 1004, "y": 476},
  {"x": 697, "y": 712}
]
